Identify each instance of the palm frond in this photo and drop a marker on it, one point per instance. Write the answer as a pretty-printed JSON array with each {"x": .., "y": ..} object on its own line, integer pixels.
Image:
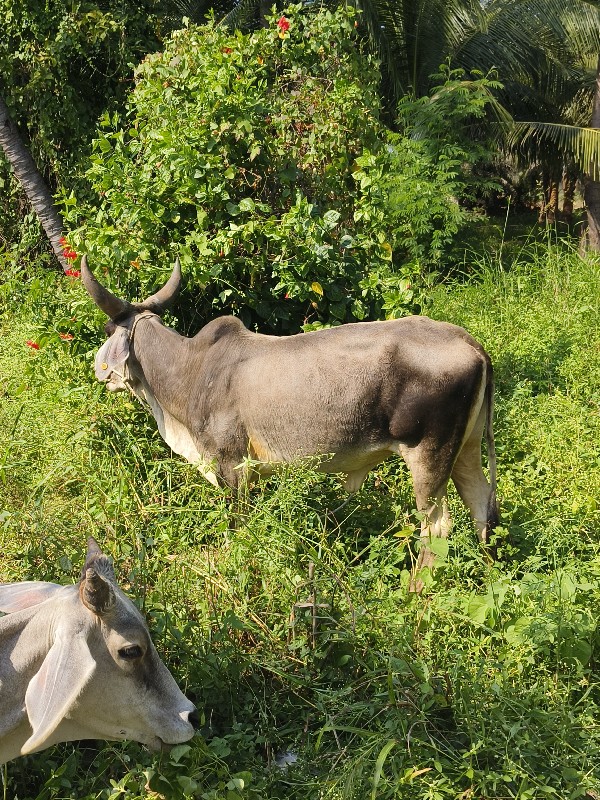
[
  {"x": 582, "y": 145},
  {"x": 242, "y": 16}
]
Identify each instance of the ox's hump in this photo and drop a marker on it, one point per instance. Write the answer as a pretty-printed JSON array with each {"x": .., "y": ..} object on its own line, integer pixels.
[{"x": 220, "y": 328}]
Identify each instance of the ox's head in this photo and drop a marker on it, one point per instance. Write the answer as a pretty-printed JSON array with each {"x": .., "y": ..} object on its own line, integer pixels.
[
  {"x": 93, "y": 670},
  {"x": 112, "y": 359}
]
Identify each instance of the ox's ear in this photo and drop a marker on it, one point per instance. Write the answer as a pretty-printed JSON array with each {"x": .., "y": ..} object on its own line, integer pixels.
[
  {"x": 53, "y": 691},
  {"x": 112, "y": 355},
  {"x": 16, "y": 596}
]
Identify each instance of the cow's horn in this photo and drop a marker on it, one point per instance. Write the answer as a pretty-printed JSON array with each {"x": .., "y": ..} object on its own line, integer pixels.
[
  {"x": 96, "y": 559},
  {"x": 96, "y": 592},
  {"x": 162, "y": 299},
  {"x": 105, "y": 300}
]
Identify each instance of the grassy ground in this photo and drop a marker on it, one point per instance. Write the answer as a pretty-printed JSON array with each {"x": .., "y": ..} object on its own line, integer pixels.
[{"x": 486, "y": 686}]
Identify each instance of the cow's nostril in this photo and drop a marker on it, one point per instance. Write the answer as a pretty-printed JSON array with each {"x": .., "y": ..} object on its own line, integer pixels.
[{"x": 194, "y": 719}]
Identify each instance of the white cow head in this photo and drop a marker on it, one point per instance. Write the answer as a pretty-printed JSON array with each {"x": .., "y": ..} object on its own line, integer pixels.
[{"x": 77, "y": 662}]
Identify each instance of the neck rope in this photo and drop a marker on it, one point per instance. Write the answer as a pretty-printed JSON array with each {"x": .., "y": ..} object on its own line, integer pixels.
[{"x": 125, "y": 375}]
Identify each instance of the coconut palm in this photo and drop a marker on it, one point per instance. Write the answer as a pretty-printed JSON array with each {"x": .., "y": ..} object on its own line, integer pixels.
[
  {"x": 544, "y": 52},
  {"x": 32, "y": 182}
]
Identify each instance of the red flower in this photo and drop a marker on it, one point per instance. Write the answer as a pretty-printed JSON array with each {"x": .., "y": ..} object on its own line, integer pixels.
[
  {"x": 227, "y": 50},
  {"x": 68, "y": 252},
  {"x": 283, "y": 24},
  {"x": 73, "y": 273},
  {"x": 33, "y": 345},
  {"x": 66, "y": 337}
]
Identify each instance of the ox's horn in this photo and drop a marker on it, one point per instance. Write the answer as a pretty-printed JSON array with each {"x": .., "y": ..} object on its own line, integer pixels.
[
  {"x": 162, "y": 299},
  {"x": 96, "y": 559},
  {"x": 96, "y": 592},
  {"x": 105, "y": 300}
]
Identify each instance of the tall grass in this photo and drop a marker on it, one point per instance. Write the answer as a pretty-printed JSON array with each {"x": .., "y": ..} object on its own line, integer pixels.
[{"x": 296, "y": 632}]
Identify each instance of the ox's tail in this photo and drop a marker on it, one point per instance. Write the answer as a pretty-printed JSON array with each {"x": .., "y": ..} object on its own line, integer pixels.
[{"x": 493, "y": 516}]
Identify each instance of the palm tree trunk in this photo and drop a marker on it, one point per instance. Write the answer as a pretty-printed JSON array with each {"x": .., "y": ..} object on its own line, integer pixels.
[
  {"x": 32, "y": 182},
  {"x": 569, "y": 185},
  {"x": 592, "y": 187},
  {"x": 552, "y": 205}
]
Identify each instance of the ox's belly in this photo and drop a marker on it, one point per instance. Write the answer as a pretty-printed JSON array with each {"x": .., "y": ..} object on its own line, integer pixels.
[{"x": 354, "y": 463}]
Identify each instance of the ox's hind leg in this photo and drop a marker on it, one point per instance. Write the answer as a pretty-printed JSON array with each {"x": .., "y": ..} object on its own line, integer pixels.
[
  {"x": 471, "y": 484},
  {"x": 430, "y": 472}
]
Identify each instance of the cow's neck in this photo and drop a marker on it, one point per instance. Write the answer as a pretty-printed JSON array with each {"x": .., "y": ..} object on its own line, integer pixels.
[
  {"x": 160, "y": 363},
  {"x": 164, "y": 364}
]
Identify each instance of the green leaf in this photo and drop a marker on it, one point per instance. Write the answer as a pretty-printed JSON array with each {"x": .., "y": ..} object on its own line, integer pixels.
[
  {"x": 381, "y": 758},
  {"x": 439, "y": 546},
  {"x": 177, "y": 752},
  {"x": 331, "y": 218},
  {"x": 478, "y": 609},
  {"x": 189, "y": 785}
]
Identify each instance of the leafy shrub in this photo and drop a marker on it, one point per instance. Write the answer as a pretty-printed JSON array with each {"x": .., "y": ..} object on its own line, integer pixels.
[
  {"x": 62, "y": 65},
  {"x": 262, "y": 161},
  {"x": 435, "y": 154}
]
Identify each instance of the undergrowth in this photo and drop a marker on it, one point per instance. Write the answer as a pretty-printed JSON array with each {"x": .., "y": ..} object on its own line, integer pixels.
[{"x": 295, "y": 633}]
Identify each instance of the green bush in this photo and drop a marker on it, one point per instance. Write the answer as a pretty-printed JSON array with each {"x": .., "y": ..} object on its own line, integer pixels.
[
  {"x": 62, "y": 65},
  {"x": 262, "y": 161}
]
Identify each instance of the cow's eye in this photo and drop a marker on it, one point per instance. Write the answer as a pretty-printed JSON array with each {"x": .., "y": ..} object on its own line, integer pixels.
[{"x": 130, "y": 652}]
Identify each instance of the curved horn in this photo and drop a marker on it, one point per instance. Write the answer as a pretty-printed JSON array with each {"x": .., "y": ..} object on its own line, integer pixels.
[
  {"x": 105, "y": 300},
  {"x": 162, "y": 299}
]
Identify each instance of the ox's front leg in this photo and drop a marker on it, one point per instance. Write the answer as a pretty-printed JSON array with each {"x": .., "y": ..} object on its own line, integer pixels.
[{"x": 235, "y": 473}]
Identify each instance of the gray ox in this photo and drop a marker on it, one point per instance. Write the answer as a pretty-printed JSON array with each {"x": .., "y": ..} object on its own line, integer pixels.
[
  {"x": 76, "y": 662},
  {"x": 355, "y": 394}
]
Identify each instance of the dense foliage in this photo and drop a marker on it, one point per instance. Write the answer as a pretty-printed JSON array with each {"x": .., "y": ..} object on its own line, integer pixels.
[
  {"x": 486, "y": 686},
  {"x": 261, "y": 161},
  {"x": 61, "y": 67}
]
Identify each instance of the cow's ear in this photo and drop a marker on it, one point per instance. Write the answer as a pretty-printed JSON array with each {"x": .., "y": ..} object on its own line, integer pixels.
[
  {"x": 112, "y": 355},
  {"x": 53, "y": 691},
  {"x": 96, "y": 591},
  {"x": 16, "y": 596}
]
